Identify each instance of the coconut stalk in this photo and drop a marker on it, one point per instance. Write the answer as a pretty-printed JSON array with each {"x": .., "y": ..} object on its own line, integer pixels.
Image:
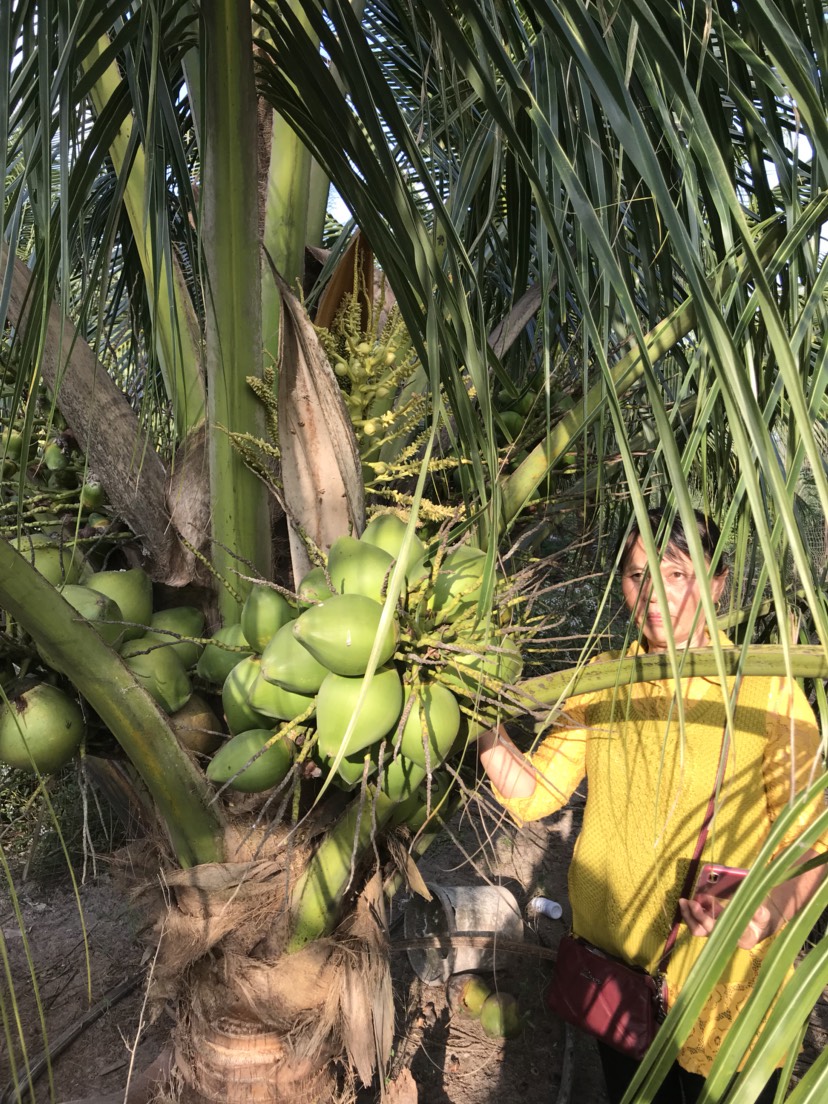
[
  {"x": 239, "y": 501},
  {"x": 183, "y": 798},
  {"x": 295, "y": 197},
  {"x": 316, "y": 897},
  {"x": 174, "y": 322},
  {"x": 285, "y": 223},
  {"x": 763, "y": 660}
]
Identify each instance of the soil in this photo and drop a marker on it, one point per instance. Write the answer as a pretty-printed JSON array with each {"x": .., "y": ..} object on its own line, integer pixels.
[{"x": 441, "y": 1054}]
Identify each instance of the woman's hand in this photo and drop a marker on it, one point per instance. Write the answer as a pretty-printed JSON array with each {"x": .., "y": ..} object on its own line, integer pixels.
[
  {"x": 701, "y": 914},
  {"x": 783, "y": 902}
]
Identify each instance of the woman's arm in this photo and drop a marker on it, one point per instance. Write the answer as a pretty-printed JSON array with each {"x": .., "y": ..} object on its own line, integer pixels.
[{"x": 507, "y": 767}]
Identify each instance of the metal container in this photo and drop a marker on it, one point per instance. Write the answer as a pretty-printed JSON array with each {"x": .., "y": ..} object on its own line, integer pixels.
[{"x": 486, "y": 910}]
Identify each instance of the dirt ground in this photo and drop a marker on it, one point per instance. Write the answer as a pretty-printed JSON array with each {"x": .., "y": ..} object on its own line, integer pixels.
[{"x": 441, "y": 1055}]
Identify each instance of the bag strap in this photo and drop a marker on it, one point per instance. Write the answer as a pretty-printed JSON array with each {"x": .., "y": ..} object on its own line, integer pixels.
[{"x": 692, "y": 869}]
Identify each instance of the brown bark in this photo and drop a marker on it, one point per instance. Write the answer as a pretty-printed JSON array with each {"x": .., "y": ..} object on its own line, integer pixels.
[
  {"x": 322, "y": 480},
  {"x": 107, "y": 430}
]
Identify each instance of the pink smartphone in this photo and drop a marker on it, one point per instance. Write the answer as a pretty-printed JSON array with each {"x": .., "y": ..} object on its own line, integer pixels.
[{"x": 719, "y": 881}]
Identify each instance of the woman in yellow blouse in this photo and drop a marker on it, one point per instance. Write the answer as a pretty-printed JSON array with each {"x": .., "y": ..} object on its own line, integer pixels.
[{"x": 649, "y": 786}]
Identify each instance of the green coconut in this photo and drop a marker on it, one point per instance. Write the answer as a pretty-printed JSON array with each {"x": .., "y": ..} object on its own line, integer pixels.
[
  {"x": 409, "y": 781},
  {"x": 357, "y": 568},
  {"x": 336, "y": 704},
  {"x": 458, "y": 583},
  {"x": 235, "y": 763},
  {"x": 92, "y": 496},
  {"x": 132, "y": 590},
  {"x": 264, "y": 612},
  {"x": 470, "y": 992},
  {"x": 512, "y": 423},
  {"x": 55, "y": 458},
  {"x": 11, "y": 444},
  {"x": 272, "y": 700},
  {"x": 288, "y": 664},
  {"x": 183, "y": 622},
  {"x": 500, "y": 1016},
  {"x": 40, "y": 729},
  {"x": 104, "y": 613},
  {"x": 351, "y": 769},
  {"x": 160, "y": 672},
  {"x": 402, "y": 779},
  {"x": 433, "y": 722},
  {"x": 227, "y": 648},
  {"x": 197, "y": 726},
  {"x": 387, "y": 531},
  {"x": 58, "y": 561},
  {"x": 235, "y": 697},
  {"x": 314, "y": 588},
  {"x": 340, "y": 633}
]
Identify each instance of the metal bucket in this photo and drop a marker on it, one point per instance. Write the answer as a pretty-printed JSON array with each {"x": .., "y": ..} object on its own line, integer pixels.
[{"x": 490, "y": 910}]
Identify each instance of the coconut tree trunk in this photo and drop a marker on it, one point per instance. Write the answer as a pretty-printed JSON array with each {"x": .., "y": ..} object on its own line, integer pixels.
[{"x": 239, "y": 500}]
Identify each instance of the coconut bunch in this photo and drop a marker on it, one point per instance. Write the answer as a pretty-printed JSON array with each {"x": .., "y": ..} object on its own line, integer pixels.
[
  {"x": 293, "y": 674},
  {"x": 55, "y": 481},
  {"x": 435, "y": 668},
  {"x": 42, "y": 726}
]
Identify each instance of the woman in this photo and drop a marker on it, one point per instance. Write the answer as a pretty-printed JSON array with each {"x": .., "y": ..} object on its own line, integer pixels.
[{"x": 649, "y": 786}]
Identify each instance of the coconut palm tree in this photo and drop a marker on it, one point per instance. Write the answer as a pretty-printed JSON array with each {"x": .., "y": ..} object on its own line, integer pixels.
[{"x": 606, "y": 221}]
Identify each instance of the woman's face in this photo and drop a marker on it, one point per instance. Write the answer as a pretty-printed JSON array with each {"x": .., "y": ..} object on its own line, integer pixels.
[{"x": 683, "y": 598}]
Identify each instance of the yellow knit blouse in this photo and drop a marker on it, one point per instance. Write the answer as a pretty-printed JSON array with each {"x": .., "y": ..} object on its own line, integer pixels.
[{"x": 648, "y": 789}]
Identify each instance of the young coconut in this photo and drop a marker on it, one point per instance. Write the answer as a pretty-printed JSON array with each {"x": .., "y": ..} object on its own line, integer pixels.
[
  {"x": 235, "y": 697},
  {"x": 340, "y": 633},
  {"x": 252, "y": 761},
  {"x": 314, "y": 588},
  {"x": 264, "y": 612},
  {"x": 132, "y": 590},
  {"x": 336, "y": 704},
  {"x": 173, "y": 627},
  {"x": 357, "y": 568},
  {"x": 431, "y": 726},
  {"x": 58, "y": 561},
  {"x": 458, "y": 583},
  {"x": 160, "y": 672},
  {"x": 104, "y": 613},
  {"x": 40, "y": 729},
  {"x": 500, "y": 1016},
  {"x": 467, "y": 993},
  {"x": 227, "y": 648},
  {"x": 286, "y": 663},
  {"x": 387, "y": 531},
  {"x": 274, "y": 701},
  {"x": 502, "y": 662}
]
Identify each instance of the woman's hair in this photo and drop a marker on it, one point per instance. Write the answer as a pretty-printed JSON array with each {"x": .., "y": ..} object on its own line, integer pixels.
[{"x": 709, "y": 534}]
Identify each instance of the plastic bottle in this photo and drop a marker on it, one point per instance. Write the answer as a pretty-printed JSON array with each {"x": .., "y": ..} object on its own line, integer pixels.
[{"x": 543, "y": 906}]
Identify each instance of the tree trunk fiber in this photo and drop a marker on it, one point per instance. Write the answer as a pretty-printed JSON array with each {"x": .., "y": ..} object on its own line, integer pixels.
[
  {"x": 255, "y": 1024},
  {"x": 233, "y": 1062}
]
